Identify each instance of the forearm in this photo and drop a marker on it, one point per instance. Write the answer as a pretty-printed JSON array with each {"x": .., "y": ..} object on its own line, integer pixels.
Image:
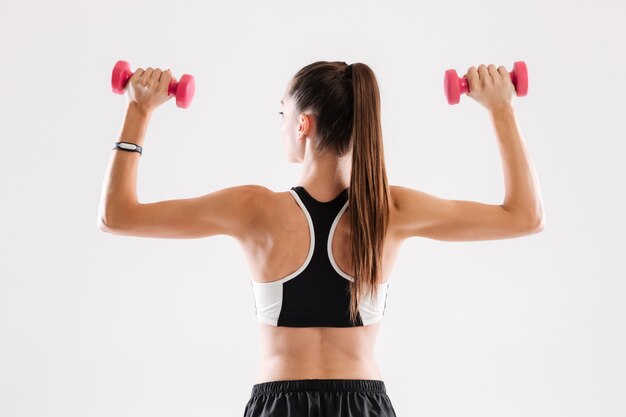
[
  {"x": 119, "y": 190},
  {"x": 522, "y": 195}
]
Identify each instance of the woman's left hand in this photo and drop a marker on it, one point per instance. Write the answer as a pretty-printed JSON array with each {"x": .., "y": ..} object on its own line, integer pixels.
[{"x": 147, "y": 89}]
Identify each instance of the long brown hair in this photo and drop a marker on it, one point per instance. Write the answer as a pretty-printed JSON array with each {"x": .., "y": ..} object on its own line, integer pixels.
[{"x": 345, "y": 101}]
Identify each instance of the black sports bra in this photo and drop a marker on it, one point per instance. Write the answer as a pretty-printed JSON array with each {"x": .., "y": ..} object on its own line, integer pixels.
[{"x": 316, "y": 294}]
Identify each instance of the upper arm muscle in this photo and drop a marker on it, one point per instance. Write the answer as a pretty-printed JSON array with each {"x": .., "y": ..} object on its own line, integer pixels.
[
  {"x": 229, "y": 211},
  {"x": 422, "y": 214}
]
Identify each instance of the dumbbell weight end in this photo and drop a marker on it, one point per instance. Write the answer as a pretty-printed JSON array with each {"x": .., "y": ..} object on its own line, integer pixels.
[
  {"x": 454, "y": 86},
  {"x": 183, "y": 90}
]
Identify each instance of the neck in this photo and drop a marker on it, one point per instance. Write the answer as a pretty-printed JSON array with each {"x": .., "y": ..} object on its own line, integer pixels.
[{"x": 326, "y": 176}]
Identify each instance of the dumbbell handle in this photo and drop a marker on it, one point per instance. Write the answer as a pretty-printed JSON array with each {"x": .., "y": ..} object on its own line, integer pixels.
[
  {"x": 454, "y": 85},
  {"x": 183, "y": 89},
  {"x": 464, "y": 83},
  {"x": 171, "y": 88}
]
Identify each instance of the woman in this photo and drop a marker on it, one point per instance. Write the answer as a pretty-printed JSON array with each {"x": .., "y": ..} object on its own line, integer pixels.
[{"x": 321, "y": 254}]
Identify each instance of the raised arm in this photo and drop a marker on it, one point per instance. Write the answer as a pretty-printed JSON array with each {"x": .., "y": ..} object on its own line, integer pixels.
[
  {"x": 521, "y": 213},
  {"x": 231, "y": 211}
]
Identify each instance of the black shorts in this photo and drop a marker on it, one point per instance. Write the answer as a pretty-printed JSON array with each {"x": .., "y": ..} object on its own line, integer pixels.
[{"x": 320, "y": 398}]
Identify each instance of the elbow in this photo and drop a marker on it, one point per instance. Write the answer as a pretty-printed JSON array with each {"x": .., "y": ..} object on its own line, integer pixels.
[
  {"x": 102, "y": 225},
  {"x": 103, "y": 220},
  {"x": 106, "y": 226},
  {"x": 535, "y": 224},
  {"x": 113, "y": 221},
  {"x": 529, "y": 222}
]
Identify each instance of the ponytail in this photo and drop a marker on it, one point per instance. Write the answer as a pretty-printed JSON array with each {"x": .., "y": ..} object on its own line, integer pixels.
[
  {"x": 346, "y": 103},
  {"x": 369, "y": 192}
]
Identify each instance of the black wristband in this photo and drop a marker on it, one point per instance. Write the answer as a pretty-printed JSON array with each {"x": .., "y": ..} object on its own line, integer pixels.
[{"x": 129, "y": 147}]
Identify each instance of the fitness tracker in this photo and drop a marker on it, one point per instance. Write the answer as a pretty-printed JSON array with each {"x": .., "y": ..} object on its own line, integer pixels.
[{"x": 127, "y": 146}]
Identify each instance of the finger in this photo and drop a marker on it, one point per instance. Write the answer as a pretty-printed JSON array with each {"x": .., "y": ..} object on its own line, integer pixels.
[
  {"x": 137, "y": 74},
  {"x": 493, "y": 71},
  {"x": 472, "y": 77},
  {"x": 471, "y": 73},
  {"x": 164, "y": 81},
  {"x": 483, "y": 74},
  {"x": 503, "y": 72},
  {"x": 154, "y": 77},
  {"x": 146, "y": 76}
]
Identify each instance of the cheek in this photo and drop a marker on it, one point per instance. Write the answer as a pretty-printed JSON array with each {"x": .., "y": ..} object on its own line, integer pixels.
[
  {"x": 285, "y": 127},
  {"x": 284, "y": 135}
]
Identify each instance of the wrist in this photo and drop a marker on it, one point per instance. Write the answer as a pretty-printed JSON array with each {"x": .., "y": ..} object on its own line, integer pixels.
[
  {"x": 506, "y": 110},
  {"x": 136, "y": 121},
  {"x": 136, "y": 110}
]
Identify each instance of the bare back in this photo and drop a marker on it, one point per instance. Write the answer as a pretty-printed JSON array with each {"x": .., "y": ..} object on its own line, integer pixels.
[{"x": 277, "y": 247}]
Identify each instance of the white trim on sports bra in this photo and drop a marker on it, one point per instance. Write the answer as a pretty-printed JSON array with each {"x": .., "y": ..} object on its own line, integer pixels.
[{"x": 268, "y": 295}]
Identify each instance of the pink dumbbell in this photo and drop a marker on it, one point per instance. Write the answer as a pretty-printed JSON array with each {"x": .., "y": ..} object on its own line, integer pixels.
[
  {"x": 453, "y": 86},
  {"x": 183, "y": 89}
]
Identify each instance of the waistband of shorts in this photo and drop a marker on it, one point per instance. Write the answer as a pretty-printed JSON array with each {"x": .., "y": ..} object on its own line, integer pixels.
[{"x": 299, "y": 385}]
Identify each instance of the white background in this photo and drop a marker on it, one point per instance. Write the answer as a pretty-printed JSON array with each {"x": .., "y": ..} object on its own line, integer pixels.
[{"x": 93, "y": 324}]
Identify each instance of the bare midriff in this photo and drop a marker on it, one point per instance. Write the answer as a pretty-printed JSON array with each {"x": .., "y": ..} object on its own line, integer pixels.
[{"x": 317, "y": 353}]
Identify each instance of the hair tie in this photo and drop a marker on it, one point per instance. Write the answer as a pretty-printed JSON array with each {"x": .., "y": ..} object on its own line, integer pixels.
[{"x": 348, "y": 71}]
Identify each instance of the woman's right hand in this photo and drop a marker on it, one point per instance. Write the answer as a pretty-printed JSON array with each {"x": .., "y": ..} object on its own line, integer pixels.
[{"x": 491, "y": 87}]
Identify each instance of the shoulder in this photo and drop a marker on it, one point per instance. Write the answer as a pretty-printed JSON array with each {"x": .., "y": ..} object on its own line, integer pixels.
[
  {"x": 240, "y": 207},
  {"x": 396, "y": 195},
  {"x": 401, "y": 195},
  {"x": 403, "y": 208},
  {"x": 254, "y": 196},
  {"x": 258, "y": 201},
  {"x": 255, "y": 190}
]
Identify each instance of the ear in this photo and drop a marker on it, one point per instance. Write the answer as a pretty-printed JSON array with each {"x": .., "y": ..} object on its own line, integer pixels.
[{"x": 306, "y": 124}]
